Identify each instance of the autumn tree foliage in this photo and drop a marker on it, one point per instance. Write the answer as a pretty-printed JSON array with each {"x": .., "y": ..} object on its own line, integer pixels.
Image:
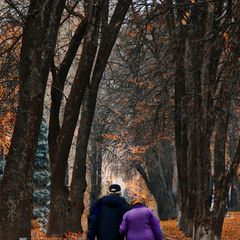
[{"x": 10, "y": 40}]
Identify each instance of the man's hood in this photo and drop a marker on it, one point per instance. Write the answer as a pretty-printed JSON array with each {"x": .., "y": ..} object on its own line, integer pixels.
[{"x": 113, "y": 201}]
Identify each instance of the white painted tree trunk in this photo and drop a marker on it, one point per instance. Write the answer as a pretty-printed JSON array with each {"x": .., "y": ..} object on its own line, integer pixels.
[{"x": 204, "y": 233}]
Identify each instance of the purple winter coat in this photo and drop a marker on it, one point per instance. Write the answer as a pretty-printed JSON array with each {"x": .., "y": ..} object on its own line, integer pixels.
[{"x": 140, "y": 223}]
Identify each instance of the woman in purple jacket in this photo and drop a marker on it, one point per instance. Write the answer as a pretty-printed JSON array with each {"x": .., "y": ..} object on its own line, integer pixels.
[{"x": 140, "y": 223}]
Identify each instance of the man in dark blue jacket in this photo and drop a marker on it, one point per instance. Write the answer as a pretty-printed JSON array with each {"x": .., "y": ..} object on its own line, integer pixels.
[{"x": 106, "y": 216}]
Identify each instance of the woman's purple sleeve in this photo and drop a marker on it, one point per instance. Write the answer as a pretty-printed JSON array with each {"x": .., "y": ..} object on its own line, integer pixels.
[
  {"x": 155, "y": 225},
  {"x": 123, "y": 226}
]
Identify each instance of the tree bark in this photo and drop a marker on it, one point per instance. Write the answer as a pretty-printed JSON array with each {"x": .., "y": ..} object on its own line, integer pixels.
[
  {"x": 95, "y": 162},
  {"x": 39, "y": 39},
  {"x": 59, "y": 192},
  {"x": 158, "y": 178},
  {"x": 178, "y": 40},
  {"x": 78, "y": 183},
  {"x": 59, "y": 78},
  {"x": 166, "y": 201}
]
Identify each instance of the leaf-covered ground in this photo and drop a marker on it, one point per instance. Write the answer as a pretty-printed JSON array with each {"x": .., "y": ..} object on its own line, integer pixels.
[{"x": 231, "y": 230}]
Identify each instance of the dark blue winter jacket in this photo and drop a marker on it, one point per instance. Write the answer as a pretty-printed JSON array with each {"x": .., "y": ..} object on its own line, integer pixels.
[{"x": 105, "y": 218}]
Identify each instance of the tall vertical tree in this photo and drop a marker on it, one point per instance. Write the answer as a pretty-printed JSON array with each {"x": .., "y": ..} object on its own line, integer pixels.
[
  {"x": 95, "y": 160},
  {"x": 38, "y": 44}
]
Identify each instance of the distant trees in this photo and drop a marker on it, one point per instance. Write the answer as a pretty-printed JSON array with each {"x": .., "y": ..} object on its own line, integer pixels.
[
  {"x": 141, "y": 112},
  {"x": 157, "y": 172}
]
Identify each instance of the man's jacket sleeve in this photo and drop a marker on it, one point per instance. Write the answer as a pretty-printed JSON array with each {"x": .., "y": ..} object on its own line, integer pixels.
[{"x": 93, "y": 221}]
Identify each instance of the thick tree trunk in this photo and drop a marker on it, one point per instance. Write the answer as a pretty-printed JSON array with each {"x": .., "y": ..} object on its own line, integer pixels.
[
  {"x": 203, "y": 232},
  {"x": 183, "y": 135},
  {"x": 39, "y": 38},
  {"x": 181, "y": 126},
  {"x": 59, "y": 194},
  {"x": 200, "y": 118},
  {"x": 206, "y": 51},
  {"x": 209, "y": 227},
  {"x": 78, "y": 183},
  {"x": 209, "y": 224},
  {"x": 163, "y": 198},
  {"x": 184, "y": 222}
]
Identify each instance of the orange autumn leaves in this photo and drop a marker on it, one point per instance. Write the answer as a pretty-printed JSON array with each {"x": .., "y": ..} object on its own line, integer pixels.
[
  {"x": 10, "y": 40},
  {"x": 231, "y": 228},
  {"x": 37, "y": 234},
  {"x": 170, "y": 230},
  {"x": 7, "y": 120}
]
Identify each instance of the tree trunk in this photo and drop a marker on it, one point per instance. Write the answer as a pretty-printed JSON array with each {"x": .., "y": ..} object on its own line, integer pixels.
[
  {"x": 59, "y": 193},
  {"x": 95, "y": 162},
  {"x": 39, "y": 38},
  {"x": 59, "y": 78},
  {"x": 181, "y": 126},
  {"x": 160, "y": 167},
  {"x": 158, "y": 178},
  {"x": 78, "y": 183}
]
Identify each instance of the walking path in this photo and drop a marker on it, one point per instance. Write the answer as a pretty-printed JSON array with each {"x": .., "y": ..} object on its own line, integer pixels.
[{"x": 231, "y": 230}]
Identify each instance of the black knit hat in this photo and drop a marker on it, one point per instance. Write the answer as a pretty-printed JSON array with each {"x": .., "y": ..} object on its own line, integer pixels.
[{"x": 114, "y": 188}]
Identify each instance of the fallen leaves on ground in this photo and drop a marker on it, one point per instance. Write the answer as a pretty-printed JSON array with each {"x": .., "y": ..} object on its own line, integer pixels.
[
  {"x": 171, "y": 231},
  {"x": 231, "y": 230},
  {"x": 231, "y": 227},
  {"x": 38, "y": 234}
]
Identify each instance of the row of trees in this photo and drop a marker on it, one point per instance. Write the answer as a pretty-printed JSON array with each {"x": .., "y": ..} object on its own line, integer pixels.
[
  {"x": 186, "y": 53},
  {"x": 205, "y": 82},
  {"x": 98, "y": 27},
  {"x": 172, "y": 80}
]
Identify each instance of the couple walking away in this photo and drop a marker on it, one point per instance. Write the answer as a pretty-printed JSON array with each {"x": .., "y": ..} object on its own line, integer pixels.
[{"x": 111, "y": 218}]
